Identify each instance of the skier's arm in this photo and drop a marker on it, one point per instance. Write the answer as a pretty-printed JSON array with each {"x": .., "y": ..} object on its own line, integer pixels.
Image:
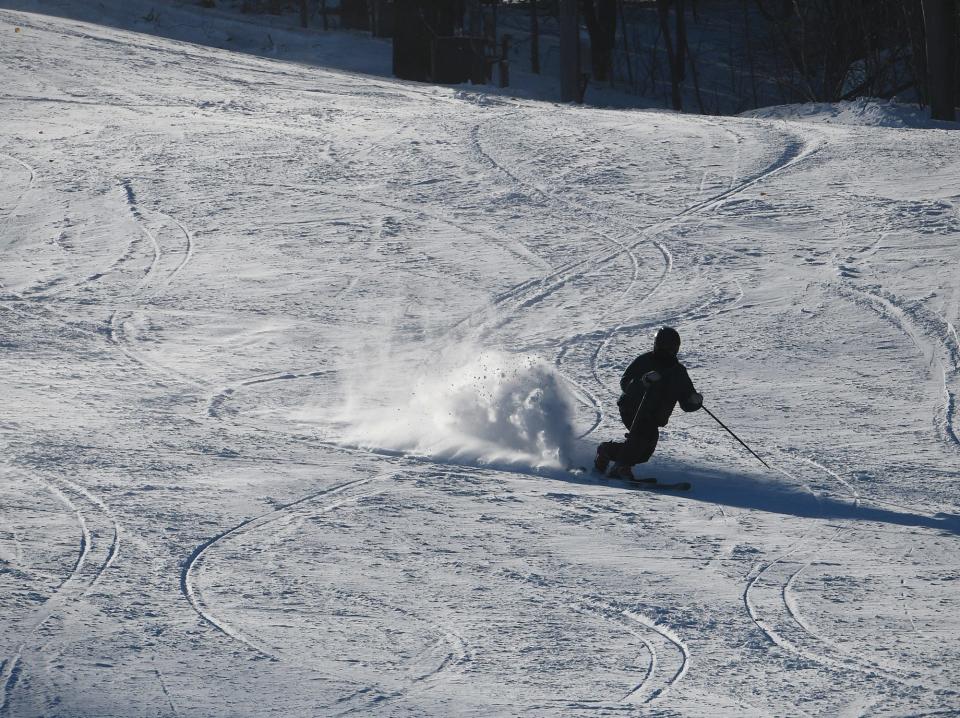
[
  {"x": 638, "y": 367},
  {"x": 689, "y": 398},
  {"x": 631, "y": 382}
]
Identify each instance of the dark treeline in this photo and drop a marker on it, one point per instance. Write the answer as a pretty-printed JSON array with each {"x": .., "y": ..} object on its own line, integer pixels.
[
  {"x": 730, "y": 55},
  {"x": 711, "y": 56}
]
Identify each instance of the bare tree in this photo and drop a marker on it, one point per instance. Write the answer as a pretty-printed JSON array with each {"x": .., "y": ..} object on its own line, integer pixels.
[
  {"x": 676, "y": 45},
  {"x": 940, "y": 26},
  {"x": 569, "y": 51},
  {"x": 534, "y": 38},
  {"x": 600, "y": 17},
  {"x": 841, "y": 50}
]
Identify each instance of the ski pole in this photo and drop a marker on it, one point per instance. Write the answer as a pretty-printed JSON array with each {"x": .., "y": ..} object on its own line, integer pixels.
[{"x": 735, "y": 436}]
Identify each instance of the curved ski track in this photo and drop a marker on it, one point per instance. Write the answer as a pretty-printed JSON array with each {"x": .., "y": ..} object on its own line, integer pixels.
[
  {"x": 217, "y": 400},
  {"x": 639, "y": 692},
  {"x": 671, "y": 636},
  {"x": 805, "y": 641},
  {"x": 116, "y": 332},
  {"x": 30, "y": 184},
  {"x": 945, "y": 357},
  {"x": 154, "y": 265},
  {"x": 78, "y": 581},
  {"x": 58, "y": 285},
  {"x": 370, "y": 698},
  {"x": 196, "y": 557},
  {"x": 365, "y": 698},
  {"x": 115, "y": 323},
  {"x": 158, "y": 253}
]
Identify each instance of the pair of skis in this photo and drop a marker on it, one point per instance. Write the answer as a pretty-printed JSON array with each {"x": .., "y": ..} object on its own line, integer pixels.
[{"x": 648, "y": 483}]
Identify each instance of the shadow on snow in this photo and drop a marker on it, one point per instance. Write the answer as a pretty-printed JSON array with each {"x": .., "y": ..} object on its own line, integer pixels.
[{"x": 770, "y": 493}]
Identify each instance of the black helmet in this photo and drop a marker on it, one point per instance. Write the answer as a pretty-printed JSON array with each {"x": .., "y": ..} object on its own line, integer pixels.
[{"x": 667, "y": 342}]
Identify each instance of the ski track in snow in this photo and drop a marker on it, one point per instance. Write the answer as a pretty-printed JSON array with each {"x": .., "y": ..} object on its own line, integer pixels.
[
  {"x": 115, "y": 323},
  {"x": 920, "y": 326},
  {"x": 651, "y": 686},
  {"x": 166, "y": 693},
  {"x": 89, "y": 511},
  {"x": 217, "y": 400},
  {"x": 187, "y": 252},
  {"x": 370, "y": 699},
  {"x": 197, "y": 557},
  {"x": 31, "y": 182},
  {"x": 674, "y": 639},
  {"x": 158, "y": 253},
  {"x": 154, "y": 266},
  {"x": 548, "y": 284},
  {"x": 116, "y": 336},
  {"x": 56, "y": 286},
  {"x": 363, "y": 699},
  {"x": 791, "y": 631}
]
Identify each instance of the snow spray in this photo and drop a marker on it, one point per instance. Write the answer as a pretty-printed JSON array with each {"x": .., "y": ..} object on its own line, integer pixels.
[{"x": 477, "y": 406}]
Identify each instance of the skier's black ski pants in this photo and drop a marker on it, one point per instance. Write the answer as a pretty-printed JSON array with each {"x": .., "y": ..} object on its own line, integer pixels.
[{"x": 640, "y": 443}]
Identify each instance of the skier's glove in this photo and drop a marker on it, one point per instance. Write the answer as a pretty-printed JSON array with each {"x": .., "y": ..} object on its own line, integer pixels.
[
  {"x": 695, "y": 400},
  {"x": 650, "y": 378}
]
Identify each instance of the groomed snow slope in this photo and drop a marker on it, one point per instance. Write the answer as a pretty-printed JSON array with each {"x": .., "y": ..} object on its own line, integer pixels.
[{"x": 291, "y": 358}]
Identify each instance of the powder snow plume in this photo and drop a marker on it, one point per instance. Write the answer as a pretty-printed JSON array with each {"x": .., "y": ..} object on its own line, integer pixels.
[{"x": 484, "y": 407}]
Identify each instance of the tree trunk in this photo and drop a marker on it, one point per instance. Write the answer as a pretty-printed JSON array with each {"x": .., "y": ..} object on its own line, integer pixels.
[
  {"x": 674, "y": 51},
  {"x": 626, "y": 46},
  {"x": 304, "y": 15},
  {"x": 411, "y": 41},
  {"x": 940, "y": 26},
  {"x": 600, "y": 17},
  {"x": 569, "y": 51},
  {"x": 534, "y": 38}
]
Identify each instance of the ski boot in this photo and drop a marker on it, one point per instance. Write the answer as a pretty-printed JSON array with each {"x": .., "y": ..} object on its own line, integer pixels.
[
  {"x": 622, "y": 472},
  {"x": 602, "y": 460}
]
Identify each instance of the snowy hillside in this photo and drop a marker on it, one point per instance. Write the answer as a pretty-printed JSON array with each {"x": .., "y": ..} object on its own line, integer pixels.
[{"x": 293, "y": 360}]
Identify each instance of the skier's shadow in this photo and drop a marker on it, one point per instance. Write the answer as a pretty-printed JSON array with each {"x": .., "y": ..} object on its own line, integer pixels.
[{"x": 774, "y": 495}]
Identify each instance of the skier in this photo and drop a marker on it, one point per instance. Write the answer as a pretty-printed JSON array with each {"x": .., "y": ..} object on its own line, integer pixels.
[{"x": 652, "y": 386}]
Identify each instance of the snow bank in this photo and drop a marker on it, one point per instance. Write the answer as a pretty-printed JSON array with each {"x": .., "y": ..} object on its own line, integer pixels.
[
  {"x": 865, "y": 111},
  {"x": 478, "y": 406}
]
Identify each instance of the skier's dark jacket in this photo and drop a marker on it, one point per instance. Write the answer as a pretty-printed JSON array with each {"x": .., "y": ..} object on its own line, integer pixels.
[{"x": 674, "y": 386}]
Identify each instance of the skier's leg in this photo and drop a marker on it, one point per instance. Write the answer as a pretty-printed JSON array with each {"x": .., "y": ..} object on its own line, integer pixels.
[
  {"x": 644, "y": 442},
  {"x": 607, "y": 451},
  {"x": 640, "y": 443},
  {"x": 638, "y": 449}
]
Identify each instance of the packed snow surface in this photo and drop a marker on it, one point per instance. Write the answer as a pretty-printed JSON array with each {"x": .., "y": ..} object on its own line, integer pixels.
[{"x": 295, "y": 359}]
